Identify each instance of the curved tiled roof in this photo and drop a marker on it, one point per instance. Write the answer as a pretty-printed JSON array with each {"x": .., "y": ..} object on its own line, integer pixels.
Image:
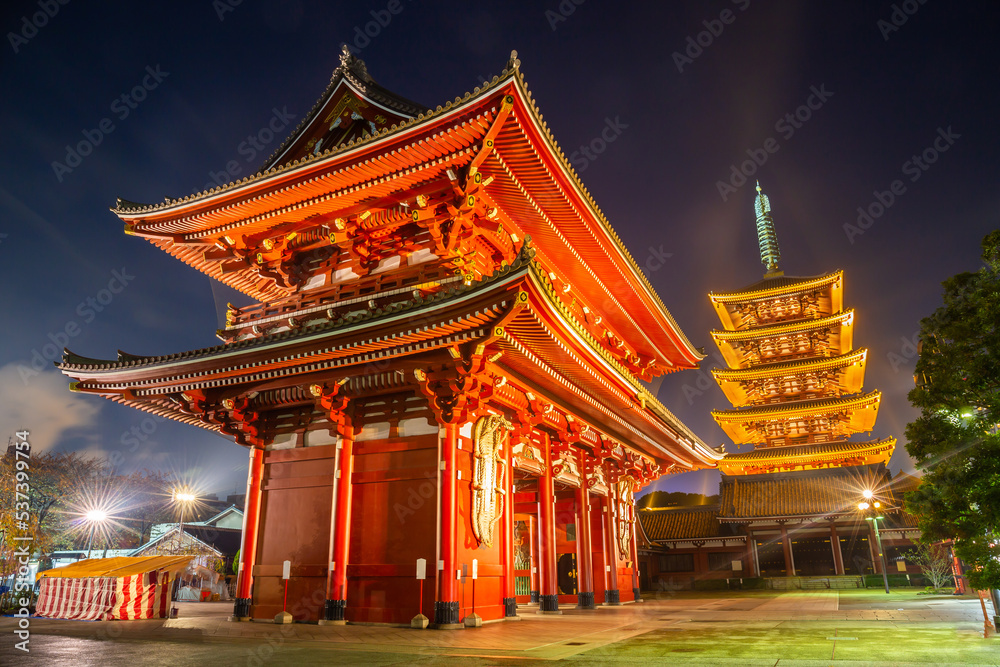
[
  {"x": 795, "y": 495},
  {"x": 152, "y": 220},
  {"x": 354, "y": 70},
  {"x": 788, "y": 367},
  {"x": 780, "y": 284},
  {"x": 776, "y": 330},
  {"x": 680, "y": 522},
  {"x": 820, "y": 406},
  {"x": 72, "y": 361},
  {"x": 813, "y": 451}
]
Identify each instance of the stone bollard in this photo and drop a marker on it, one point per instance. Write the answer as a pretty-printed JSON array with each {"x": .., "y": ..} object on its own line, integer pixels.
[
  {"x": 283, "y": 618},
  {"x": 419, "y": 622}
]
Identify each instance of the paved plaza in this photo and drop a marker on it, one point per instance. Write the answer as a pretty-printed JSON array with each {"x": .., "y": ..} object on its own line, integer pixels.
[{"x": 749, "y": 628}]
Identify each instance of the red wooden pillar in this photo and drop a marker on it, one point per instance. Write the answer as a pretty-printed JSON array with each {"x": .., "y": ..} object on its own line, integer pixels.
[
  {"x": 446, "y": 609},
  {"x": 838, "y": 556},
  {"x": 507, "y": 544},
  {"x": 584, "y": 549},
  {"x": 251, "y": 525},
  {"x": 786, "y": 547},
  {"x": 336, "y": 603},
  {"x": 533, "y": 557},
  {"x": 611, "y": 593},
  {"x": 751, "y": 560},
  {"x": 549, "y": 598},
  {"x": 636, "y": 593},
  {"x": 956, "y": 570}
]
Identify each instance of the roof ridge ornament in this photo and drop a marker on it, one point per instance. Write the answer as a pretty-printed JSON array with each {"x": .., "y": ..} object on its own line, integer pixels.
[
  {"x": 513, "y": 63},
  {"x": 766, "y": 236},
  {"x": 353, "y": 66}
]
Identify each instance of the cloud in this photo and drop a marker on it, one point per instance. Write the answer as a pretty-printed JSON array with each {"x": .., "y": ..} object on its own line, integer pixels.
[{"x": 45, "y": 407}]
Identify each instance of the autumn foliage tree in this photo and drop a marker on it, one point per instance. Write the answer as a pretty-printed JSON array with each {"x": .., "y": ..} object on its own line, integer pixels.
[
  {"x": 53, "y": 479},
  {"x": 61, "y": 487},
  {"x": 956, "y": 438}
]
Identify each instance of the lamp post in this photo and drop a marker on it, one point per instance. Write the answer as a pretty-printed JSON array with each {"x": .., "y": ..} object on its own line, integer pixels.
[
  {"x": 182, "y": 497},
  {"x": 874, "y": 506},
  {"x": 94, "y": 517}
]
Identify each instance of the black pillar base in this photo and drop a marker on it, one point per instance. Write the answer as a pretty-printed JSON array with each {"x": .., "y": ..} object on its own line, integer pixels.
[
  {"x": 334, "y": 610},
  {"x": 510, "y": 607},
  {"x": 586, "y": 600},
  {"x": 242, "y": 608},
  {"x": 548, "y": 603},
  {"x": 445, "y": 613},
  {"x": 636, "y": 595},
  {"x": 534, "y": 597},
  {"x": 612, "y": 597}
]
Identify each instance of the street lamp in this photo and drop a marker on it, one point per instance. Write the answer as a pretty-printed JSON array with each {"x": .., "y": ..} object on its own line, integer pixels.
[
  {"x": 874, "y": 507},
  {"x": 182, "y": 497},
  {"x": 94, "y": 517}
]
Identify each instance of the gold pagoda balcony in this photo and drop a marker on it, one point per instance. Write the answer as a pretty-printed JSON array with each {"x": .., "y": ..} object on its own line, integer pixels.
[
  {"x": 825, "y": 377},
  {"x": 826, "y": 337},
  {"x": 780, "y": 300},
  {"x": 839, "y": 417}
]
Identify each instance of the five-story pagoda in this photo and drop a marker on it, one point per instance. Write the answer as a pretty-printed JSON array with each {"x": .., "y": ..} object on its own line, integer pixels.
[
  {"x": 789, "y": 507},
  {"x": 794, "y": 376},
  {"x": 795, "y": 381}
]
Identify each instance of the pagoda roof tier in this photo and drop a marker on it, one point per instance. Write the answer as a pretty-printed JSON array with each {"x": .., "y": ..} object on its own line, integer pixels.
[
  {"x": 779, "y": 286},
  {"x": 805, "y": 457},
  {"x": 848, "y": 370},
  {"x": 857, "y": 414},
  {"x": 525, "y": 177},
  {"x": 840, "y": 326},
  {"x": 728, "y": 305},
  {"x": 496, "y": 315},
  {"x": 820, "y": 494}
]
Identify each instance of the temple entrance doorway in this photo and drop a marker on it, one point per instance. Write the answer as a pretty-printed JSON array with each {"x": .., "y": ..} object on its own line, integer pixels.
[
  {"x": 566, "y": 568},
  {"x": 771, "y": 558},
  {"x": 813, "y": 557}
]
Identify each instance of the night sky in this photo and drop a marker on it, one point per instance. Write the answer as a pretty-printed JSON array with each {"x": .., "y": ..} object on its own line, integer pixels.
[{"x": 691, "y": 92}]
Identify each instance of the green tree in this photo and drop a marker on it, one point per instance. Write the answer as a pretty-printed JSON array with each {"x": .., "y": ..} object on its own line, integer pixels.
[{"x": 956, "y": 438}]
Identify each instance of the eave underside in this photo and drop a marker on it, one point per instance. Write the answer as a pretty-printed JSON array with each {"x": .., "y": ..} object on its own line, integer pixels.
[
  {"x": 588, "y": 391},
  {"x": 800, "y": 457},
  {"x": 528, "y": 183}
]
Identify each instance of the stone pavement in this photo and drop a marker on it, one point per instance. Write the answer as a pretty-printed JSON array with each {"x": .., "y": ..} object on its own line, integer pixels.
[{"x": 539, "y": 637}]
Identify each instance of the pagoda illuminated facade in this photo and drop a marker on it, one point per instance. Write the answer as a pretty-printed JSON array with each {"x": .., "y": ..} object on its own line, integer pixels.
[
  {"x": 789, "y": 507},
  {"x": 793, "y": 377}
]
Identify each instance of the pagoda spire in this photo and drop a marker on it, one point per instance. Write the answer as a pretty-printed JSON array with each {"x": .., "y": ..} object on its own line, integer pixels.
[{"x": 766, "y": 237}]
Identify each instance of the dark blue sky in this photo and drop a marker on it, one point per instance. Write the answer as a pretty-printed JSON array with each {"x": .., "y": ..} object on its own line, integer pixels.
[{"x": 208, "y": 80}]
